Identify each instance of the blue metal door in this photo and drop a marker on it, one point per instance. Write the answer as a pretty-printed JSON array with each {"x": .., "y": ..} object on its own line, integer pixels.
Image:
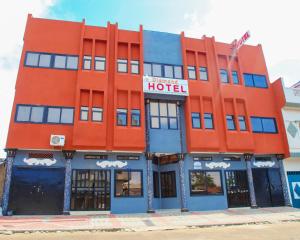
[{"x": 294, "y": 184}]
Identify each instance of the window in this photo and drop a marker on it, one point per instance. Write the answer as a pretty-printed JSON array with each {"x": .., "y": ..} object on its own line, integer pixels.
[
  {"x": 224, "y": 76},
  {"x": 122, "y": 117},
  {"x": 147, "y": 69},
  {"x": 156, "y": 70},
  {"x": 128, "y": 183},
  {"x": 163, "y": 115},
  {"x": 122, "y": 65},
  {"x": 32, "y": 114},
  {"x": 135, "y": 69},
  {"x": 135, "y": 117},
  {"x": 263, "y": 125},
  {"x": 168, "y": 184},
  {"x": 230, "y": 122},
  {"x": 235, "y": 77},
  {"x": 178, "y": 72},
  {"x": 168, "y": 71},
  {"x": 254, "y": 80},
  {"x": 205, "y": 183},
  {"x": 196, "y": 120},
  {"x": 32, "y": 59},
  {"x": 66, "y": 115},
  {"x": 191, "y": 72},
  {"x": 232, "y": 158},
  {"x": 99, "y": 63},
  {"x": 203, "y": 73},
  {"x": 48, "y": 60},
  {"x": 242, "y": 123},
  {"x": 208, "y": 121},
  {"x": 87, "y": 62},
  {"x": 45, "y": 60},
  {"x": 60, "y": 115},
  {"x": 84, "y": 113},
  {"x": 156, "y": 184},
  {"x": 97, "y": 114}
]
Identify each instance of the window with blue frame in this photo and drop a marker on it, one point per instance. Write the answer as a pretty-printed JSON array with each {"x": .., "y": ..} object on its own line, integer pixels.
[
  {"x": 242, "y": 123},
  {"x": 230, "y": 122},
  {"x": 255, "y": 80},
  {"x": 84, "y": 113},
  {"x": 44, "y": 114},
  {"x": 99, "y": 63},
  {"x": 135, "y": 67},
  {"x": 196, "y": 121},
  {"x": 51, "y": 60},
  {"x": 128, "y": 183},
  {"x": 224, "y": 76},
  {"x": 191, "y": 72},
  {"x": 121, "y": 117},
  {"x": 206, "y": 182},
  {"x": 163, "y": 115},
  {"x": 97, "y": 114},
  {"x": 203, "y": 74},
  {"x": 135, "y": 118},
  {"x": 235, "y": 77},
  {"x": 87, "y": 63},
  {"x": 208, "y": 121},
  {"x": 163, "y": 70},
  {"x": 263, "y": 125},
  {"x": 122, "y": 65}
]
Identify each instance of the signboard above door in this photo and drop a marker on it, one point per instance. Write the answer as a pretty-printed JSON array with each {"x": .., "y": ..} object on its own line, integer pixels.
[{"x": 165, "y": 86}]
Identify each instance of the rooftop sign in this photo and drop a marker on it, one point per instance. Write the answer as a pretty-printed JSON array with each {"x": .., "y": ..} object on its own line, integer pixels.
[
  {"x": 165, "y": 86},
  {"x": 236, "y": 44}
]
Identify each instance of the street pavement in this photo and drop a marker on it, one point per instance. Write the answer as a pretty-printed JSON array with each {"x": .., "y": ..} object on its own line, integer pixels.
[{"x": 161, "y": 220}]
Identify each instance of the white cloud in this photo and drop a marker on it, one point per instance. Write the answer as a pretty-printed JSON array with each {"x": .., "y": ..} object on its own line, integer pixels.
[
  {"x": 273, "y": 23},
  {"x": 13, "y": 16}
]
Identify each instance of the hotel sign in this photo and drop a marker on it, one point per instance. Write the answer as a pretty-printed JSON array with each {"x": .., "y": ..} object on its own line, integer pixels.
[{"x": 165, "y": 86}]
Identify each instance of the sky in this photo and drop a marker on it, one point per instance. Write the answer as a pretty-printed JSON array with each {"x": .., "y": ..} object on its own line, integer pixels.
[{"x": 272, "y": 23}]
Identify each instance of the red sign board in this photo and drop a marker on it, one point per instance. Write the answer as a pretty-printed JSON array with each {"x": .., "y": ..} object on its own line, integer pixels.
[{"x": 236, "y": 44}]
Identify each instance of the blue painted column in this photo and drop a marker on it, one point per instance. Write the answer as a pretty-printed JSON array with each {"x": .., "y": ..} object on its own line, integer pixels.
[
  {"x": 11, "y": 153},
  {"x": 182, "y": 184},
  {"x": 285, "y": 190},
  {"x": 68, "y": 173},
  {"x": 248, "y": 158},
  {"x": 149, "y": 184}
]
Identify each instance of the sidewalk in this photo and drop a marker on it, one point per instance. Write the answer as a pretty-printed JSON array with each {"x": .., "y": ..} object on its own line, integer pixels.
[{"x": 148, "y": 222}]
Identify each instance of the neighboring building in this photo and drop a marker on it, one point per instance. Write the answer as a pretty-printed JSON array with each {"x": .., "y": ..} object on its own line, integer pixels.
[
  {"x": 137, "y": 121},
  {"x": 291, "y": 115}
]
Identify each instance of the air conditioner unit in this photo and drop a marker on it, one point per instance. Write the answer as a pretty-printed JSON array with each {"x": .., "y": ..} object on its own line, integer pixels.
[{"x": 57, "y": 140}]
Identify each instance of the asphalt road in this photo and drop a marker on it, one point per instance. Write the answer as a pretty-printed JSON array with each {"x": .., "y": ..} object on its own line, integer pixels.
[{"x": 278, "y": 231}]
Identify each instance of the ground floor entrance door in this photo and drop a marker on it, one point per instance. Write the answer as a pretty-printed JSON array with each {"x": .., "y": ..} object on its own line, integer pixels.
[
  {"x": 37, "y": 190},
  {"x": 268, "y": 187},
  {"x": 90, "y": 190},
  {"x": 294, "y": 184},
  {"x": 237, "y": 188}
]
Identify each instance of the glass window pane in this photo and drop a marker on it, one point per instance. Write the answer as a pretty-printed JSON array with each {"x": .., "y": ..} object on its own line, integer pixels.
[
  {"x": 248, "y": 80},
  {"x": 147, "y": 69},
  {"x": 154, "y": 122},
  {"x": 97, "y": 114},
  {"x": 178, "y": 72},
  {"x": 99, "y": 63},
  {"x": 203, "y": 73},
  {"x": 37, "y": 114},
  {"x": 235, "y": 77},
  {"x": 135, "y": 67},
  {"x": 87, "y": 62},
  {"x": 72, "y": 62},
  {"x": 213, "y": 182},
  {"x": 53, "y": 115},
  {"x": 191, "y": 72},
  {"x": 122, "y": 183},
  {"x": 23, "y": 113},
  {"x": 154, "y": 108},
  {"x": 135, "y": 117},
  {"x": 173, "y": 123},
  {"x": 256, "y": 124},
  {"x": 208, "y": 121},
  {"x": 67, "y": 115},
  {"x": 198, "y": 183},
  {"x": 60, "y": 61},
  {"x": 135, "y": 184},
  {"x": 164, "y": 123},
  {"x": 260, "y": 81},
  {"x": 224, "y": 76},
  {"x": 230, "y": 122},
  {"x": 32, "y": 59},
  {"x": 172, "y": 109},
  {"x": 121, "y": 117},
  {"x": 163, "y": 109},
  {"x": 196, "y": 123},
  {"x": 156, "y": 70},
  {"x": 168, "y": 71},
  {"x": 45, "y": 60},
  {"x": 122, "y": 65},
  {"x": 269, "y": 125},
  {"x": 242, "y": 123}
]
